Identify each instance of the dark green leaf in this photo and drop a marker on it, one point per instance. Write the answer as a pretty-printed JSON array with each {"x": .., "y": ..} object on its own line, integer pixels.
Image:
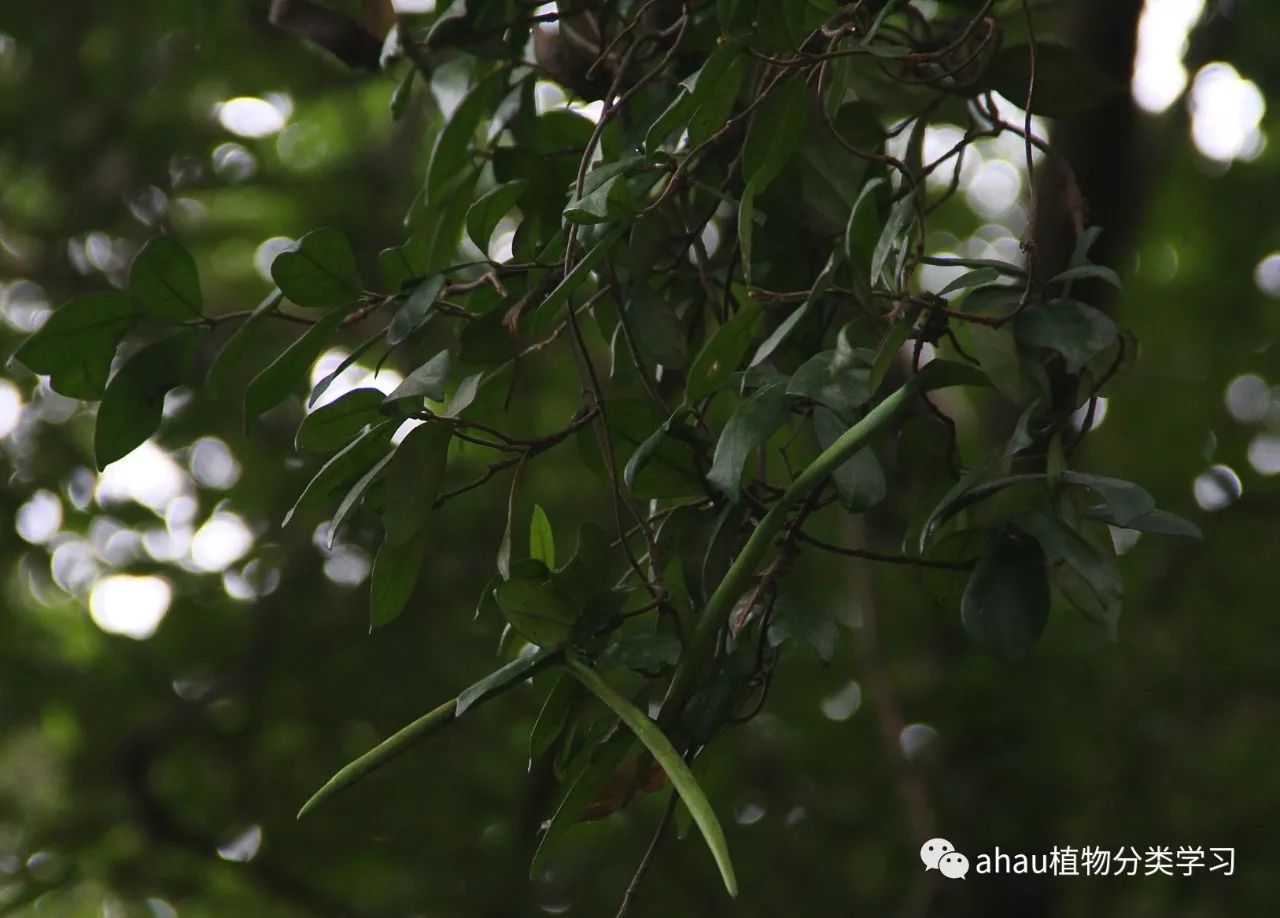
[
  {"x": 775, "y": 131},
  {"x": 975, "y": 278},
  {"x": 1127, "y": 502},
  {"x": 74, "y": 348},
  {"x": 332, "y": 425},
  {"x": 581, "y": 271},
  {"x": 943, "y": 374},
  {"x": 414, "y": 476},
  {"x": 1076, "y": 331},
  {"x": 892, "y": 236},
  {"x": 163, "y": 281},
  {"x": 715, "y": 89},
  {"x": 354, "y": 460},
  {"x": 395, "y": 574},
  {"x": 751, "y": 424},
  {"x": 319, "y": 271},
  {"x": 1103, "y": 588},
  {"x": 719, "y": 358},
  {"x": 537, "y": 610},
  {"x": 227, "y": 365},
  {"x": 451, "y": 154},
  {"x": 270, "y": 387},
  {"x": 416, "y": 310},
  {"x": 1089, "y": 272},
  {"x": 484, "y": 215},
  {"x": 860, "y": 480},
  {"x": 133, "y": 402},
  {"x": 1006, "y": 604},
  {"x": 798, "y": 618},
  {"x": 555, "y": 713},
  {"x": 427, "y": 381},
  {"x": 1160, "y": 522},
  {"x": 831, "y": 379},
  {"x": 355, "y": 496}
]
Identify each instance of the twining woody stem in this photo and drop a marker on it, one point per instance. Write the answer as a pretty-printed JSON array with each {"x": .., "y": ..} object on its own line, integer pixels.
[{"x": 701, "y": 647}]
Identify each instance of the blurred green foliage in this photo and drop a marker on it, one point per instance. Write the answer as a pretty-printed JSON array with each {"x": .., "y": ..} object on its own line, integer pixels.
[{"x": 140, "y": 776}]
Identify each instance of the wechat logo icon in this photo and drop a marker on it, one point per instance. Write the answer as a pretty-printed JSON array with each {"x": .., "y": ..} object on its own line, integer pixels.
[{"x": 939, "y": 854}]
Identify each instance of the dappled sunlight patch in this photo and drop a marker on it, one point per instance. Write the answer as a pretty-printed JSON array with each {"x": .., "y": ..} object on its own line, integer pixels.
[{"x": 128, "y": 605}]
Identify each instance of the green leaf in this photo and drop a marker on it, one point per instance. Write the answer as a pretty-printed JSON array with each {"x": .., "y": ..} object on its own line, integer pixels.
[
  {"x": 975, "y": 278},
  {"x": 414, "y": 477},
  {"x": 352, "y": 461},
  {"x": 581, "y": 271},
  {"x": 892, "y": 235},
  {"x": 74, "y": 348},
  {"x": 798, "y": 618},
  {"x": 1159, "y": 522},
  {"x": 395, "y": 574},
  {"x": 488, "y": 210},
  {"x": 888, "y": 352},
  {"x": 319, "y": 271},
  {"x": 416, "y": 310},
  {"x": 780, "y": 334},
  {"x": 664, "y": 753},
  {"x": 860, "y": 480},
  {"x": 715, "y": 92},
  {"x": 270, "y": 387},
  {"x": 542, "y": 543},
  {"x": 355, "y": 496},
  {"x": 654, "y": 452},
  {"x": 535, "y": 608},
  {"x": 943, "y": 374},
  {"x": 332, "y": 425},
  {"x": 451, "y": 154},
  {"x": 427, "y": 381},
  {"x": 1103, "y": 589},
  {"x": 555, "y": 713},
  {"x": 464, "y": 395},
  {"x": 751, "y": 424},
  {"x": 164, "y": 283},
  {"x": 320, "y": 388},
  {"x": 227, "y": 365},
  {"x": 498, "y": 681},
  {"x": 831, "y": 379},
  {"x": 659, "y": 333},
  {"x": 1006, "y": 604},
  {"x": 860, "y": 235},
  {"x": 674, "y": 118},
  {"x": 647, "y": 652},
  {"x": 133, "y": 403},
  {"x": 1127, "y": 502},
  {"x": 1076, "y": 331},
  {"x": 719, "y": 358},
  {"x": 595, "y": 767},
  {"x": 775, "y": 131}
]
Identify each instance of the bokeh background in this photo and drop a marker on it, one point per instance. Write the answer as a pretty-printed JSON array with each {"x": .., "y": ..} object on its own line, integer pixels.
[{"x": 177, "y": 673}]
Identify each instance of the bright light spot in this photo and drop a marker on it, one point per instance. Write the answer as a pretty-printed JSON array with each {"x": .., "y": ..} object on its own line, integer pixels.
[
  {"x": 1264, "y": 454},
  {"x": 748, "y": 814},
  {"x": 74, "y": 565},
  {"x": 939, "y": 140},
  {"x": 244, "y": 847},
  {"x": 1226, "y": 110},
  {"x": 915, "y": 740},
  {"x": 147, "y": 476},
  {"x": 1248, "y": 397},
  {"x": 223, "y": 540},
  {"x": 414, "y": 6},
  {"x": 10, "y": 407},
  {"x": 248, "y": 116},
  {"x": 266, "y": 253},
  {"x": 233, "y": 162},
  {"x": 213, "y": 464},
  {"x": 842, "y": 705},
  {"x": 1158, "y": 75},
  {"x": 130, "y": 605},
  {"x": 1267, "y": 275},
  {"x": 348, "y": 565},
  {"x": 40, "y": 518},
  {"x": 1217, "y": 488},
  {"x": 256, "y": 580},
  {"x": 353, "y": 377},
  {"x": 1099, "y": 414},
  {"x": 995, "y": 188}
]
